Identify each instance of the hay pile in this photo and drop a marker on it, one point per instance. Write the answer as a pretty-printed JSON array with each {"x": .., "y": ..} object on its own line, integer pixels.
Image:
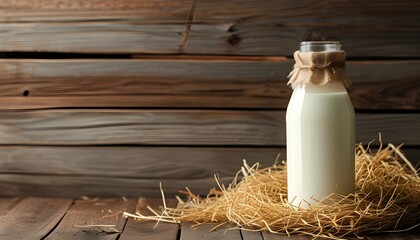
[{"x": 387, "y": 198}]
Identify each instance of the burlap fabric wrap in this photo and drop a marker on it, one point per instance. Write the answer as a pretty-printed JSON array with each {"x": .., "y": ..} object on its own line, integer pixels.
[{"x": 318, "y": 68}]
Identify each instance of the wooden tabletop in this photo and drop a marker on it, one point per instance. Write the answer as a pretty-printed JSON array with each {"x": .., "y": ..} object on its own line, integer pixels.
[{"x": 59, "y": 218}]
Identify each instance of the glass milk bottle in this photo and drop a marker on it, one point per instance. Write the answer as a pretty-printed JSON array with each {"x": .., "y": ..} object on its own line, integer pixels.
[{"x": 320, "y": 126}]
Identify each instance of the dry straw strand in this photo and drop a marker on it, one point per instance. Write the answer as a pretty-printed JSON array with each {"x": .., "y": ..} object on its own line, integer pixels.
[{"x": 387, "y": 199}]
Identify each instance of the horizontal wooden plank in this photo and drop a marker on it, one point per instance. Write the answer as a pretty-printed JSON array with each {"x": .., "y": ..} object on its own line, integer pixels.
[
  {"x": 274, "y": 27},
  {"x": 133, "y": 162},
  {"x": 217, "y": 11},
  {"x": 91, "y": 37},
  {"x": 384, "y": 236},
  {"x": 248, "y": 27},
  {"x": 278, "y": 38},
  {"x": 141, "y": 83},
  {"x": 222, "y": 82},
  {"x": 7, "y": 203},
  {"x": 395, "y": 128},
  {"x": 151, "y": 127},
  {"x": 148, "y": 230},
  {"x": 251, "y": 235},
  {"x": 180, "y": 127},
  {"x": 225, "y": 232},
  {"x": 206, "y": 10},
  {"x": 90, "y": 26},
  {"x": 33, "y": 218},
  {"x": 375, "y": 86},
  {"x": 118, "y": 172},
  {"x": 273, "y": 236},
  {"x": 16, "y": 11},
  {"x": 72, "y": 186},
  {"x": 141, "y": 162},
  {"x": 93, "y": 212}
]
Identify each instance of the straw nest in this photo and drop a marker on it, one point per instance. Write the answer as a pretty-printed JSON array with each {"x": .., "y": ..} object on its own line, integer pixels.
[{"x": 387, "y": 198}]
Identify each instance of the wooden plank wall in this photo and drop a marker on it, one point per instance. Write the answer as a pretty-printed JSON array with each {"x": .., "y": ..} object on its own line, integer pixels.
[{"x": 112, "y": 97}]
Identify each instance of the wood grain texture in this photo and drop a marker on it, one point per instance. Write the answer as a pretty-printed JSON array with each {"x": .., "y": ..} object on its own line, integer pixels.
[
  {"x": 396, "y": 236},
  {"x": 181, "y": 127},
  {"x": 152, "y": 127},
  {"x": 247, "y": 235},
  {"x": 150, "y": 230},
  {"x": 56, "y": 5},
  {"x": 33, "y": 218},
  {"x": 140, "y": 162},
  {"x": 141, "y": 83},
  {"x": 7, "y": 203},
  {"x": 218, "y": 82},
  {"x": 275, "y": 27},
  {"x": 76, "y": 186},
  {"x": 385, "y": 236},
  {"x": 272, "y": 236},
  {"x": 188, "y": 232},
  {"x": 384, "y": 84},
  {"x": 93, "y": 212},
  {"x": 91, "y": 37},
  {"x": 121, "y": 26},
  {"x": 219, "y": 27},
  {"x": 134, "y": 162},
  {"x": 15, "y": 11},
  {"x": 275, "y": 37},
  {"x": 395, "y": 128},
  {"x": 85, "y": 173}
]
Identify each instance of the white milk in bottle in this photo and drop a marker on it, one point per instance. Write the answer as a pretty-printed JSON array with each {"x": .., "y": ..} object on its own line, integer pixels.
[{"x": 320, "y": 130}]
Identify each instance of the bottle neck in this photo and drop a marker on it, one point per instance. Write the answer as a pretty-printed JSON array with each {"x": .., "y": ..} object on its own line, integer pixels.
[{"x": 320, "y": 46}]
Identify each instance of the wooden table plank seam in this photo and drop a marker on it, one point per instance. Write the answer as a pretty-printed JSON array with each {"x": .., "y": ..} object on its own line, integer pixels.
[
  {"x": 33, "y": 218},
  {"x": 251, "y": 235},
  {"x": 59, "y": 221},
  {"x": 8, "y": 204},
  {"x": 96, "y": 218},
  {"x": 149, "y": 230}
]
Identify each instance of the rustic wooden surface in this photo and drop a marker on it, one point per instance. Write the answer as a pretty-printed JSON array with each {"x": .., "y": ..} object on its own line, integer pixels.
[
  {"x": 180, "y": 127},
  {"x": 248, "y": 235},
  {"x": 151, "y": 127},
  {"x": 93, "y": 212},
  {"x": 7, "y": 203},
  {"x": 274, "y": 27},
  {"x": 204, "y": 233},
  {"x": 218, "y": 82},
  {"x": 247, "y": 27},
  {"x": 106, "y": 161},
  {"x": 76, "y": 26},
  {"x": 270, "y": 236},
  {"x": 105, "y": 183},
  {"x": 156, "y": 162},
  {"x": 127, "y": 171},
  {"x": 149, "y": 230},
  {"x": 42, "y": 218},
  {"x": 70, "y": 186},
  {"x": 141, "y": 91},
  {"x": 33, "y": 218}
]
